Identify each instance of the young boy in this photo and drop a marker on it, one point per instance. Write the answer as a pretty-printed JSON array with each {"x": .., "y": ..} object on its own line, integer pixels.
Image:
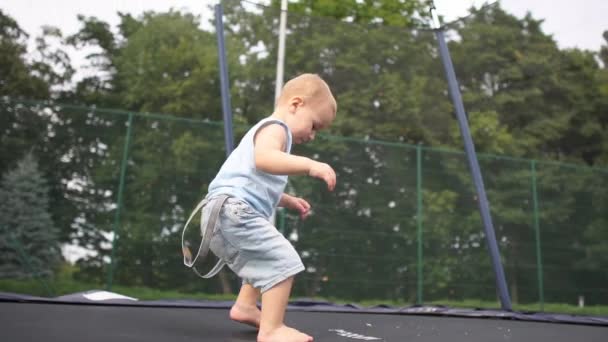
[{"x": 254, "y": 176}]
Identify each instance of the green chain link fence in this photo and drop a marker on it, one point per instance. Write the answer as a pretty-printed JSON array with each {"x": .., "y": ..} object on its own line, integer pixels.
[{"x": 402, "y": 225}]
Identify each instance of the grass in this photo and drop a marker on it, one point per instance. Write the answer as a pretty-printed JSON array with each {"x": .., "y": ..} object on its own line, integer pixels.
[
  {"x": 64, "y": 283},
  {"x": 593, "y": 310}
]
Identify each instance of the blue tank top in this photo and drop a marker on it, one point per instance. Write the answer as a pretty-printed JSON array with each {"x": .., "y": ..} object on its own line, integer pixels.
[{"x": 238, "y": 176}]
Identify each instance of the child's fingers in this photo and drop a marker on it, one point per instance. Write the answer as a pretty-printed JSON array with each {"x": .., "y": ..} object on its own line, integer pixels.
[
  {"x": 326, "y": 173},
  {"x": 331, "y": 181},
  {"x": 304, "y": 214},
  {"x": 303, "y": 207},
  {"x": 297, "y": 205},
  {"x": 304, "y": 203}
]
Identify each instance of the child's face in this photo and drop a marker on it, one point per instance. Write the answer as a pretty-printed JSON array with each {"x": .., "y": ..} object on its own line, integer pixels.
[{"x": 309, "y": 118}]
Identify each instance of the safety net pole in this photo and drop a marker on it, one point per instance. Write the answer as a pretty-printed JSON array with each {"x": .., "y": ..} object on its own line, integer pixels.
[
  {"x": 221, "y": 52},
  {"x": 281, "y": 51},
  {"x": 484, "y": 206},
  {"x": 225, "y": 85},
  {"x": 280, "y": 73}
]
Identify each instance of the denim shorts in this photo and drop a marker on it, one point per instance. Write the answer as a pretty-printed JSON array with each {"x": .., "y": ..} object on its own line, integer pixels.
[{"x": 251, "y": 246}]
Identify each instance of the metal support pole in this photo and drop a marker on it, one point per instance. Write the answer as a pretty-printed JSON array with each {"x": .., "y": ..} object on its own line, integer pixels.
[
  {"x": 121, "y": 186},
  {"x": 281, "y": 51},
  {"x": 279, "y": 78},
  {"x": 484, "y": 206},
  {"x": 539, "y": 257},
  {"x": 225, "y": 84},
  {"x": 419, "y": 214}
]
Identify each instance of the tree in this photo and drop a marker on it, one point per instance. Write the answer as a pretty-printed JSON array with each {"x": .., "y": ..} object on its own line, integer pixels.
[
  {"x": 159, "y": 62},
  {"x": 603, "y": 110},
  {"x": 526, "y": 97},
  {"x": 27, "y": 127},
  {"x": 19, "y": 78},
  {"x": 384, "y": 76},
  {"x": 393, "y": 13},
  {"x": 16, "y": 77},
  {"x": 546, "y": 98},
  {"x": 28, "y": 236}
]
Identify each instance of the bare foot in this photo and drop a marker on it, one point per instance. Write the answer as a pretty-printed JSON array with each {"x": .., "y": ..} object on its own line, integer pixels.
[
  {"x": 249, "y": 315},
  {"x": 283, "y": 334}
]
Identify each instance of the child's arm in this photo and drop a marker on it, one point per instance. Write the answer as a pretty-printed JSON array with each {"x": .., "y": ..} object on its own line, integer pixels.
[
  {"x": 295, "y": 203},
  {"x": 270, "y": 158}
]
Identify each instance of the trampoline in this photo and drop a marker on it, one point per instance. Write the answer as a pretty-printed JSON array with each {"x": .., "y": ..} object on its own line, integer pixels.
[{"x": 86, "y": 317}]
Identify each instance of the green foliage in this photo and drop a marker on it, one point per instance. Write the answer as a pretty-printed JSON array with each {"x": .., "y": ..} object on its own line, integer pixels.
[
  {"x": 488, "y": 133},
  {"x": 21, "y": 77},
  {"x": 169, "y": 65},
  {"x": 395, "y": 67},
  {"x": 602, "y": 79},
  {"x": 396, "y": 13},
  {"x": 547, "y": 98},
  {"x": 17, "y": 75}
]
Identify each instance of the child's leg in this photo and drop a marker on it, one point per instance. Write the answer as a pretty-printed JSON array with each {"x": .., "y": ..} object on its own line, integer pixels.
[
  {"x": 245, "y": 308},
  {"x": 272, "y": 328}
]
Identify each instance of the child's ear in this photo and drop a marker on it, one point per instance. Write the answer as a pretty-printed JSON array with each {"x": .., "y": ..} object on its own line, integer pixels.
[{"x": 295, "y": 102}]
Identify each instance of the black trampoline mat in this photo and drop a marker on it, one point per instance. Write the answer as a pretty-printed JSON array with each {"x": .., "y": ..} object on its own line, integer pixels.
[{"x": 82, "y": 322}]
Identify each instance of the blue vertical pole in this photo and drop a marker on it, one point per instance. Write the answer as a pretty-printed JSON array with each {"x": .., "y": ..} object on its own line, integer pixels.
[
  {"x": 226, "y": 109},
  {"x": 224, "y": 82},
  {"x": 484, "y": 206}
]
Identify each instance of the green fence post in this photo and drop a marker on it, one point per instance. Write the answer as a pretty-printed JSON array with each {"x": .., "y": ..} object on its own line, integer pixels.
[
  {"x": 419, "y": 220},
  {"x": 539, "y": 264},
  {"x": 121, "y": 184}
]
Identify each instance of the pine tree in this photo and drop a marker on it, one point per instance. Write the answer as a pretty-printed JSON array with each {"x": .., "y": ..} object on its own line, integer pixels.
[{"x": 29, "y": 244}]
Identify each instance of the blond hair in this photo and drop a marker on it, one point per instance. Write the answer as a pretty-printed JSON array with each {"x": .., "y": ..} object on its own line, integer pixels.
[{"x": 311, "y": 87}]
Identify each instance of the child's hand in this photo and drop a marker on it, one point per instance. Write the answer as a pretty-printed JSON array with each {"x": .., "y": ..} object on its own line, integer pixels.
[
  {"x": 298, "y": 204},
  {"x": 325, "y": 172}
]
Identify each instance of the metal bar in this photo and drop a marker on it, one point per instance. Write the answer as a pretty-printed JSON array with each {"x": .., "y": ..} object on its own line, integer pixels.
[
  {"x": 121, "y": 185},
  {"x": 280, "y": 71},
  {"x": 281, "y": 50},
  {"x": 419, "y": 221},
  {"x": 539, "y": 257},
  {"x": 484, "y": 206},
  {"x": 225, "y": 84}
]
